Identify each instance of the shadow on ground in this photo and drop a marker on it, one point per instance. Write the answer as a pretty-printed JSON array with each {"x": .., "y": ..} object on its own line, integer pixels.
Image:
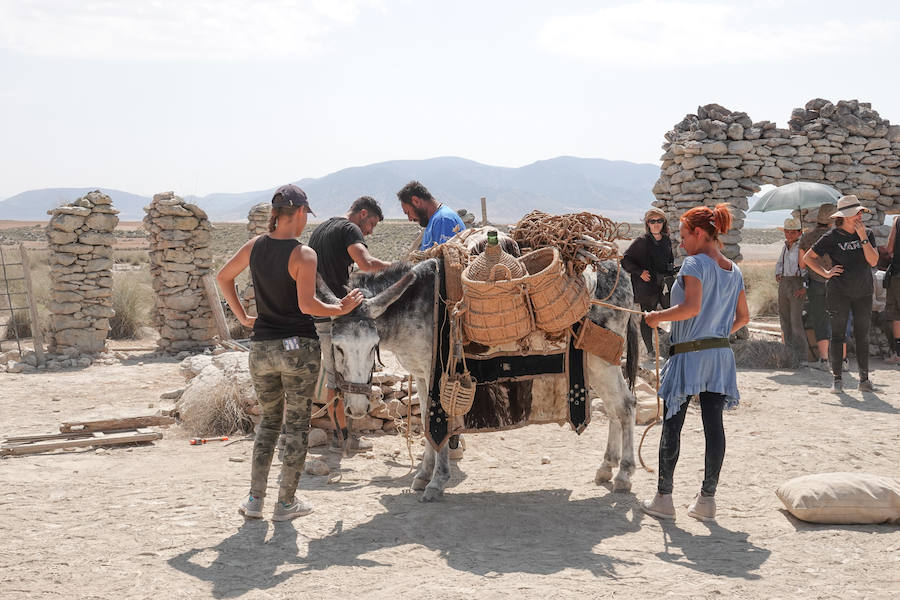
[{"x": 488, "y": 534}]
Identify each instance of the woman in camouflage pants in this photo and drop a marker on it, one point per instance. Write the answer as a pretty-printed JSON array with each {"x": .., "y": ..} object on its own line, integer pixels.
[{"x": 284, "y": 349}]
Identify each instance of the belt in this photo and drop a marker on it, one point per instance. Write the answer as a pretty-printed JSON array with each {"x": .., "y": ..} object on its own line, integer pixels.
[{"x": 697, "y": 345}]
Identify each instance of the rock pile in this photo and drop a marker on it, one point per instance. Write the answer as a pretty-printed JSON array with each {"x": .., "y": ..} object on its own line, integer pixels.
[
  {"x": 718, "y": 155},
  {"x": 179, "y": 234},
  {"x": 81, "y": 259},
  {"x": 257, "y": 224},
  {"x": 467, "y": 217}
]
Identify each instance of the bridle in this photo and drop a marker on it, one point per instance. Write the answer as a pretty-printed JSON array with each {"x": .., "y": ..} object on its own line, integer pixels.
[{"x": 351, "y": 387}]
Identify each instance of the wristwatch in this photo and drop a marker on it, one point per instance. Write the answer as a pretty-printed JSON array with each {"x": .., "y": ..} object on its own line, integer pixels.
[{"x": 864, "y": 242}]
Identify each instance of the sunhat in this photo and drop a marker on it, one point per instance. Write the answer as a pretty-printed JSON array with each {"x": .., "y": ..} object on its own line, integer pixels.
[
  {"x": 823, "y": 217},
  {"x": 848, "y": 206},
  {"x": 791, "y": 225},
  {"x": 654, "y": 211}
]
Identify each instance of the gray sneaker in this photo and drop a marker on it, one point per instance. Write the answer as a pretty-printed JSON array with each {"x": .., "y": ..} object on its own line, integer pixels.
[
  {"x": 298, "y": 508},
  {"x": 866, "y": 385},
  {"x": 837, "y": 386},
  {"x": 251, "y": 507}
]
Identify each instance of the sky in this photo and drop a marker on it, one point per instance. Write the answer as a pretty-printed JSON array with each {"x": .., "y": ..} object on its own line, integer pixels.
[{"x": 238, "y": 95}]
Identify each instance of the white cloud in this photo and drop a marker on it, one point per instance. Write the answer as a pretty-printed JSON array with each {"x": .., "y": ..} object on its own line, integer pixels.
[
  {"x": 173, "y": 29},
  {"x": 651, "y": 33}
]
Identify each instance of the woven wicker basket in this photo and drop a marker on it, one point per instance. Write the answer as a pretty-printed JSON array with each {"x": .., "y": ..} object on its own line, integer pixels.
[
  {"x": 558, "y": 298},
  {"x": 457, "y": 393},
  {"x": 600, "y": 341},
  {"x": 495, "y": 312}
]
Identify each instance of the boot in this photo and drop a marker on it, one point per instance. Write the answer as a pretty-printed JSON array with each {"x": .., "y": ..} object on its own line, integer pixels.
[
  {"x": 660, "y": 507},
  {"x": 703, "y": 508}
]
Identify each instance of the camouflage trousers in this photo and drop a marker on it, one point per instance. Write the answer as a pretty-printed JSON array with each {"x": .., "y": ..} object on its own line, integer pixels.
[{"x": 285, "y": 382}]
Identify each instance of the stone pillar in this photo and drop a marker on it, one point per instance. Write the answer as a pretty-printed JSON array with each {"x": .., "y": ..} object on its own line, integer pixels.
[
  {"x": 179, "y": 234},
  {"x": 718, "y": 155},
  {"x": 81, "y": 259},
  {"x": 257, "y": 224}
]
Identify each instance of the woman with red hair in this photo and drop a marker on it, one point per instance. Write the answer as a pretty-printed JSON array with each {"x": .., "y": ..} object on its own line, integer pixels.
[{"x": 708, "y": 305}]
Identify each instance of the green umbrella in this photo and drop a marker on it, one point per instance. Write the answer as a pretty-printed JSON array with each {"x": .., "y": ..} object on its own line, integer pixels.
[{"x": 797, "y": 195}]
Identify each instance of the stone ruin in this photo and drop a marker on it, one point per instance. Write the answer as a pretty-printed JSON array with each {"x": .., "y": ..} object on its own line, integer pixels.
[
  {"x": 80, "y": 239},
  {"x": 179, "y": 235},
  {"x": 257, "y": 224},
  {"x": 718, "y": 155}
]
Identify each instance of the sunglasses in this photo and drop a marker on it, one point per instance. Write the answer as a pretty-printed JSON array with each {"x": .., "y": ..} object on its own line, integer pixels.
[{"x": 656, "y": 221}]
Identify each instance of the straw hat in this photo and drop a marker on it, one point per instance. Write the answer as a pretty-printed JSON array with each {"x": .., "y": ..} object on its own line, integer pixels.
[
  {"x": 791, "y": 225},
  {"x": 848, "y": 206},
  {"x": 654, "y": 211}
]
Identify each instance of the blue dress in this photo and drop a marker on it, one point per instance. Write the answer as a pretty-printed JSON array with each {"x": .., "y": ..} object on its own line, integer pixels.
[
  {"x": 713, "y": 369},
  {"x": 442, "y": 226}
]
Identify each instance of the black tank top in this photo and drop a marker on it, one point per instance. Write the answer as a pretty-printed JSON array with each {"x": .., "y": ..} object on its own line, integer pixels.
[{"x": 278, "y": 315}]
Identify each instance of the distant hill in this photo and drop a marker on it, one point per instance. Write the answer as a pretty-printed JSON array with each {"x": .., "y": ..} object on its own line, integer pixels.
[{"x": 617, "y": 189}]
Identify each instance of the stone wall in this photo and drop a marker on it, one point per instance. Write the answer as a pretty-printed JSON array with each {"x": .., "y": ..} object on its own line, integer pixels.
[
  {"x": 257, "y": 224},
  {"x": 80, "y": 239},
  {"x": 718, "y": 155},
  {"x": 179, "y": 234}
]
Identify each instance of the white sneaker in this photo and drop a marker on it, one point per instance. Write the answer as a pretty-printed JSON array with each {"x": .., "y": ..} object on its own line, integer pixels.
[{"x": 298, "y": 508}]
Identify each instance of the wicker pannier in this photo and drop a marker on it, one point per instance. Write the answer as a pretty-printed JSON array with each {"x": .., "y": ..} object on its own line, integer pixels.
[
  {"x": 559, "y": 298},
  {"x": 495, "y": 312},
  {"x": 600, "y": 341}
]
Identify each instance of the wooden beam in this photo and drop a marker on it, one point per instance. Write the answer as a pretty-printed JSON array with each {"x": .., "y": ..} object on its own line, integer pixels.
[
  {"x": 114, "y": 424},
  {"x": 116, "y": 439},
  {"x": 37, "y": 336},
  {"x": 212, "y": 298},
  {"x": 484, "y": 220}
]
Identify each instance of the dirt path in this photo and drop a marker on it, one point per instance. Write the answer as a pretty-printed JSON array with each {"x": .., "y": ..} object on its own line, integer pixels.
[{"x": 160, "y": 521}]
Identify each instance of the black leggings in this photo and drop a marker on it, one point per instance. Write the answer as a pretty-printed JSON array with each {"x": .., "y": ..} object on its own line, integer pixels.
[
  {"x": 839, "y": 308},
  {"x": 711, "y": 406}
]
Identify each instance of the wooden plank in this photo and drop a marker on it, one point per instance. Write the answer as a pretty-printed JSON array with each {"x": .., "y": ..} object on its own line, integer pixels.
[
  {"x": 47, "y": 436},
  {"x": 114, "y": 424},
  {"x": 37, "y": 336},
  {"x": 109, "y": 440},
  {"x": 215, "y": 304}
]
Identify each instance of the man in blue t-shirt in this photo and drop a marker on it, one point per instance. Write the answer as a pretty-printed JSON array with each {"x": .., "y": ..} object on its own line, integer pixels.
[{"x": 440, "y": 222}]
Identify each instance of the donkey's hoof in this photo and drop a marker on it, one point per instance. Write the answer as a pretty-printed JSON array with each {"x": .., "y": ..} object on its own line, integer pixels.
[
  {"x": 621, "y": 485},
  {"x": 419, "y": 483},
  {"x": 603, "y": 475},
  {"x": 431, "y": 494}
]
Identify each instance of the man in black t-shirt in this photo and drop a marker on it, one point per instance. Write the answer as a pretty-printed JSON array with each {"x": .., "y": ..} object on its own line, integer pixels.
[
  {"x": 851, "y": 249},
  {"x": 340, "y": 243}
]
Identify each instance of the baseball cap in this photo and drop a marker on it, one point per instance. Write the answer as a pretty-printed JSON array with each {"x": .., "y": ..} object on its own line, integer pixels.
[{"x": 291, "y": 195}]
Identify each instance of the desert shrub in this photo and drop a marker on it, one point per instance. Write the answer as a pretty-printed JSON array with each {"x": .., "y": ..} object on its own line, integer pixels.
[
  {"x": 220, "y": 411},
  {"x": 131, "y": 299},
  {"x": 761, "y": 288},
  {"x": 132, "y": 257}
]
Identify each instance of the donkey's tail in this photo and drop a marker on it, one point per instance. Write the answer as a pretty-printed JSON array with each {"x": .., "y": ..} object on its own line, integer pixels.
[{"x": 632, "y": 351}]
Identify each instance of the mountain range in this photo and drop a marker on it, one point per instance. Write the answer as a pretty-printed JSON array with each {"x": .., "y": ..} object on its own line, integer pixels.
[{"x": 617, "y": 189}]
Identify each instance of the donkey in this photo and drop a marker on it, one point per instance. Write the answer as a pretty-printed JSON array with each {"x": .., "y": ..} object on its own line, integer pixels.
[{"x": 397, "y": 315}]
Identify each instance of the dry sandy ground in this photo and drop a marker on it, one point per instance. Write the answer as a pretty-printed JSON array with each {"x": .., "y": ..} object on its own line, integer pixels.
[{"x": 160, "y": 520}]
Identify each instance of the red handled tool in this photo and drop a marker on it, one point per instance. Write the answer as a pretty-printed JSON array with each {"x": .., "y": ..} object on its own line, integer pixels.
[{"x": 198, "y": 441}]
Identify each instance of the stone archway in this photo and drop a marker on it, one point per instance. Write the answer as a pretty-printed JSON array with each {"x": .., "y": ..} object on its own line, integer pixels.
[{"x": 718, "y": 155}]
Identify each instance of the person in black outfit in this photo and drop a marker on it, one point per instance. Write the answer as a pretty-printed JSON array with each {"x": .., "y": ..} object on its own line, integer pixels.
[
  {"x": 340, "y": 242},
  {"x": 284, "y": 350},
  {"x": 650, "y": 261},
  {"x": 851, "y": 248}
]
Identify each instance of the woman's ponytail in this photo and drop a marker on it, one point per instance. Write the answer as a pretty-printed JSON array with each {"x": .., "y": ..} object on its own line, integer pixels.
[{"x": 722, "y": 218}]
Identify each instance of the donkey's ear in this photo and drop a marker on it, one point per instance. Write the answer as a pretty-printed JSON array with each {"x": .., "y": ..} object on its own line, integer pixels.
[
  {"x": 324, "y": 292},
  {"x": 377, "y": 305}
]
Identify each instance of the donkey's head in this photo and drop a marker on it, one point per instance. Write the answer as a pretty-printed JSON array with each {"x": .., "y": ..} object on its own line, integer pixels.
[{"x": 354, "y": 341}]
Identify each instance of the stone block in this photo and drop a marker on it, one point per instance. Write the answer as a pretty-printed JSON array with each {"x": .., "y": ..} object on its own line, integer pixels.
[{"x": 103, "y": 222}]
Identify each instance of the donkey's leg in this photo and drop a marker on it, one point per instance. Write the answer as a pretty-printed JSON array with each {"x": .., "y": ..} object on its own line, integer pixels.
[
  {"x": 439, "y": 477},
  {"x": 426, "y": 467},
  {"x": 607, "y": 382}
]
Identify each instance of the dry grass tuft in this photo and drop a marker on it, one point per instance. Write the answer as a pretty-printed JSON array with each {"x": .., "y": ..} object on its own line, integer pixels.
[
  {"x": 761, "y": 289},
  {"x": 220, "y": 412},
  {"x": 132, "y": 299}
]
